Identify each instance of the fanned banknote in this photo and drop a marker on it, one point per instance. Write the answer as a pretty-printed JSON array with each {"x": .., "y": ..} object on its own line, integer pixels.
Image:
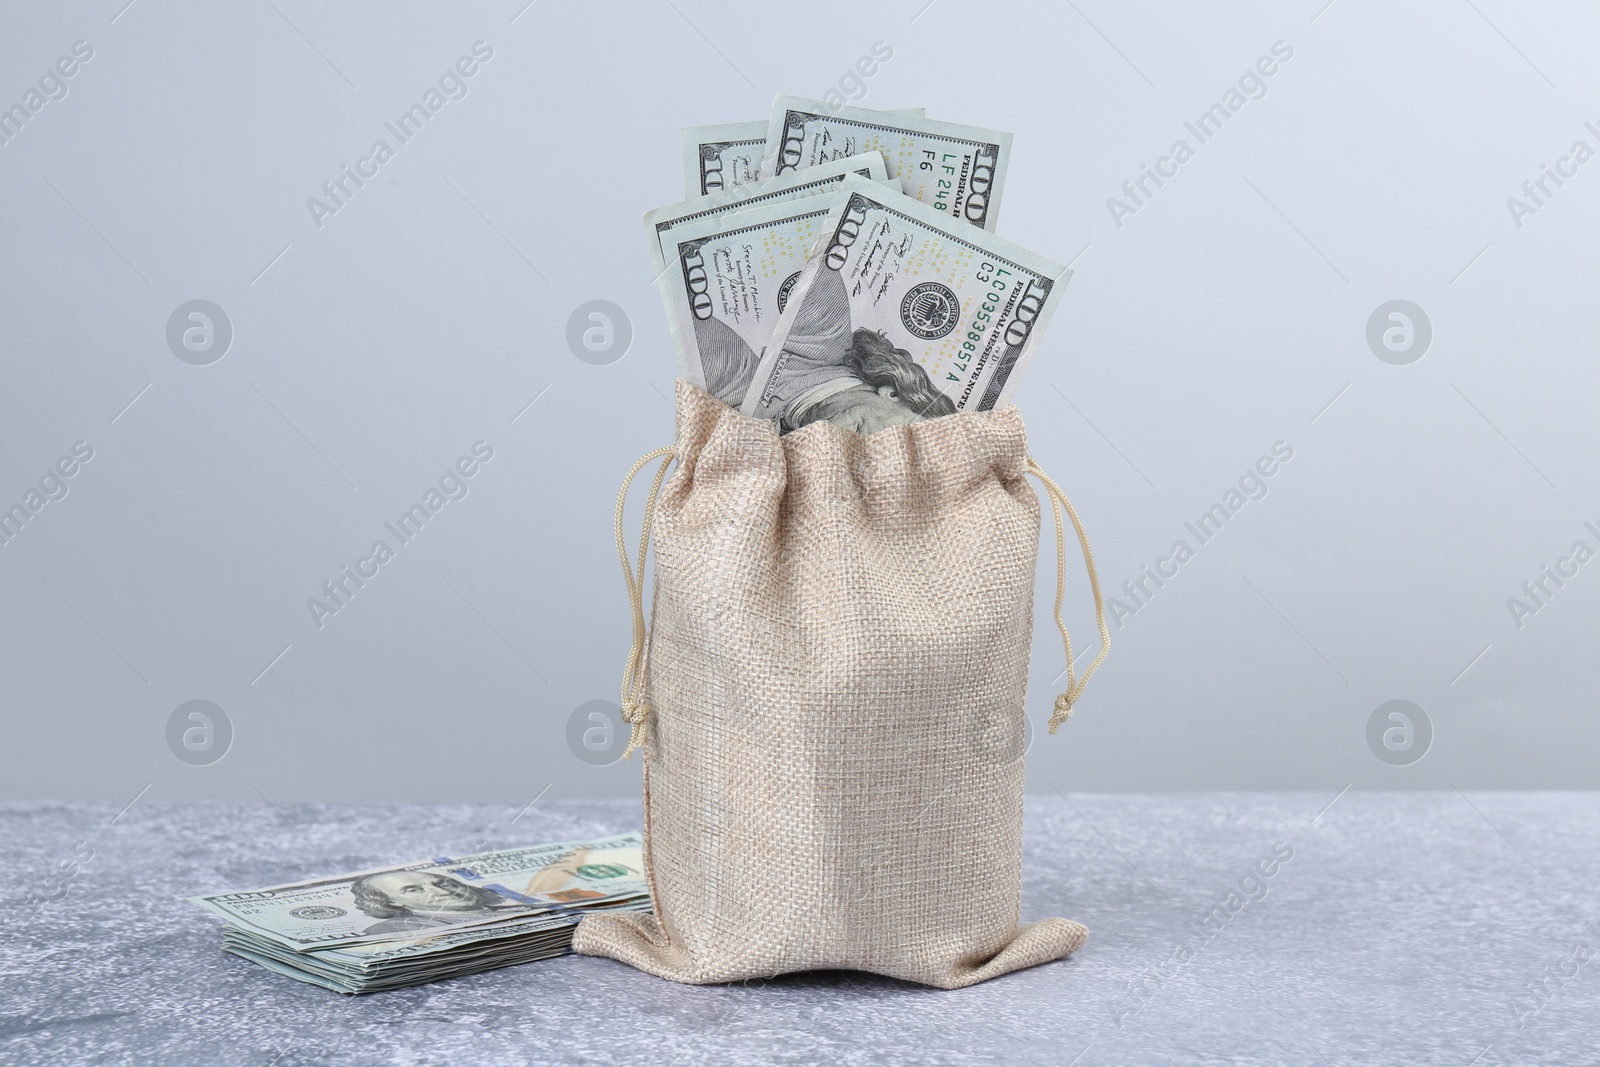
[
  {"x": 727, "y": 155},
  {"x": 729, "y": 279},
  {"x": 723, "y": 263},
  {"x": 957, "y": 170},
  {"x": 901, "y": 314},
  {"x": 660, "y": 222},
  {"x": 722, "y": 156}
]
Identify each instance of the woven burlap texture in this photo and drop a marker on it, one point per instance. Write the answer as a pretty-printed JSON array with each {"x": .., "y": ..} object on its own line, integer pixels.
[{"x": 837, "y": 665}]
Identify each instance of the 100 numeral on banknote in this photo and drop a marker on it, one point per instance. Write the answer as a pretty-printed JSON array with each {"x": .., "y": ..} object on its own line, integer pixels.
[
  {"x": 730, "y": 285},
  {"x": 727, "y": 263}
]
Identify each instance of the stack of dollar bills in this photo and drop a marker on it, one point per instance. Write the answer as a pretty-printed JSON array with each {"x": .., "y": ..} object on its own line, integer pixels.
[
  {"x": 839, "y": 264},
  {"x": 393, "y": 927}
]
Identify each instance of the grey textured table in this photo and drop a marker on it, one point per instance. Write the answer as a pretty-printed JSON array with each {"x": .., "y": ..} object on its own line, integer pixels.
[{"x": 1406, "y": 929}]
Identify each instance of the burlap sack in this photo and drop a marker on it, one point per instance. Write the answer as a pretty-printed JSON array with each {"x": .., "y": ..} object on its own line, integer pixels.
[{"x": 832, "y": 714}]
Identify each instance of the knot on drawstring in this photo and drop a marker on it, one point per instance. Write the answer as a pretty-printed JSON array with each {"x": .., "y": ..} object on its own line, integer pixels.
[
  {"x": 634, "y": 709},
  {"x": 634, "y": 713},
  {"x": 1063, "y": 711}
]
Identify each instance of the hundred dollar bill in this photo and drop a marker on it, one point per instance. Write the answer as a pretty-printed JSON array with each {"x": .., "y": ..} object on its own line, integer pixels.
[
  {"x": 728, "y": 155},
  {"x": 394, "y": 964},
  {"x": 902, "y": 314},
  {"x": 432, "y": 951},
  {"x": 729, "y": 279},
  {"x": 705, "y": 217},
  {"x": 421, "y": 956},
  {"x": 957, "y": 170},
  {"x": 340, "y": 982},
  {"x": 431, "y": 897},
  {"x": 721, "y": 156},
  {"x": 660, "y": 222}
]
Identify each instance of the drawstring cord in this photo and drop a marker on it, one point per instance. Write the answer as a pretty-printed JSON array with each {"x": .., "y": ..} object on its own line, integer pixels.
[
  {"x": 1075, "y": 682},
  {"x": 634, "y": 709}
]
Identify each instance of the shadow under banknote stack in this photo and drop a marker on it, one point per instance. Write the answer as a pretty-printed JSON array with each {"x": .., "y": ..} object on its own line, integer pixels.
[
  {"x": 839, "y": 264},
  {"x": 393, "y": 927}
]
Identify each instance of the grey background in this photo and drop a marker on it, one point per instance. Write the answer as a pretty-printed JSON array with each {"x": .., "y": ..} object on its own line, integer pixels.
[{"x": 1229, "y": 313}]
